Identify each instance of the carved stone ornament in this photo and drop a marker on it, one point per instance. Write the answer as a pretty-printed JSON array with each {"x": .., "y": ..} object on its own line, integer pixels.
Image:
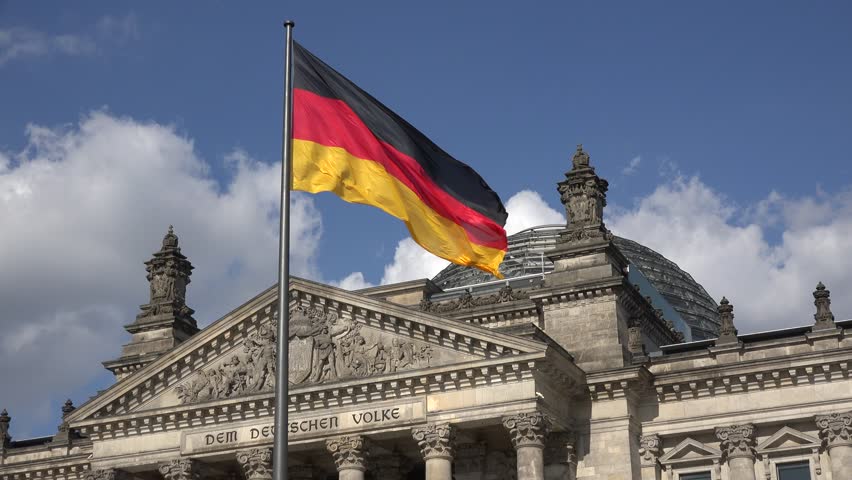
[
  {"x": 467, "y": 300},
  {"x": 256, "y": 463},
  {"x": 737, "y": 440},
  {"x": 583, "y": 194},
  {"x": 106, "y": 474},
  {"x": 436, "y": 440},
  {"x": 824, "y": 318},
  {"x": 635, "y": 345},
  {"x": 349, "y": 452},
  {"x": 168, "y": 276},
  {"x": 650, "y": 448},
  {"x": 181, "y": 469},
  {"x": 5, "y": 419},
  {"x": 835, "y": 428},
  {"x": 250, "y": 371},
  {"x": 528, "y": 429},
  {"x": 727, "y": 330}
]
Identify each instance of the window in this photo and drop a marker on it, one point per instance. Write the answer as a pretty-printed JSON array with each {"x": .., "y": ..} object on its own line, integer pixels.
[
  {"x": 695, "y": 476},
  {"x": 794, "y": 471}
]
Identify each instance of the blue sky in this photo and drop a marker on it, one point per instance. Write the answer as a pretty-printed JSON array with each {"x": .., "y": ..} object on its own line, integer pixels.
[{"x": 743, "y": 108}]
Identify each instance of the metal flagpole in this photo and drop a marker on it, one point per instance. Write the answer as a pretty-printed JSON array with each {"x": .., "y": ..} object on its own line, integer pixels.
[{"x": 279, "y": 452}]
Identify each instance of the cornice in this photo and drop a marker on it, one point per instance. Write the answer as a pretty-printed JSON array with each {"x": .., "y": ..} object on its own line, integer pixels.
[
  {"x": 784, "y": 371},
  {"x": 70, "y": 467}
]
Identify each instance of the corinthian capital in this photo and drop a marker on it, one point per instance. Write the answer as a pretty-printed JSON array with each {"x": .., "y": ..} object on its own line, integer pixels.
[
  {"x": 835, "y": 428},
  {"x": 650, "y": 449},
  {"x": 181, "y": 469},
  {"x": 436, "y": 440},
  {"x": 737, "y": 440},
  {"x": 528, "y": 429},
  {"x": 256, "y": 463},
  {"x": 349, "y": 451}
]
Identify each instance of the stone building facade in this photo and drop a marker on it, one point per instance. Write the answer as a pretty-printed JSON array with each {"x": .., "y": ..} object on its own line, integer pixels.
[{"x": 576, "y": 373}]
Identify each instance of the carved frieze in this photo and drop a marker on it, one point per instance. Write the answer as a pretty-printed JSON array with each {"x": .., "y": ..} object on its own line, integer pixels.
[
  {"x": 467, "y": 300},
  {"x": 323, "y": 347},
  {"x": 737, "y": 440},
  {"x": 256, "y": 463},
  {"x": 650, "y": 448},
  {"x": 181, "y": 469},
  {"x": 835, "y": 428},
  {"x": 436, "y": 440},
  {"x": 350, "y": 452},
  {"x": 528, "y": 429}
]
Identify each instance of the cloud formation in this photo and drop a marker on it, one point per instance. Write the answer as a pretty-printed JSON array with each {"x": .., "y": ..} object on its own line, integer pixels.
[
  {"x": 766, "y": 258},
  {"x": 17, "y": 43},
  {"x": 632, "y": 166},
  {"x": 83, "y": 207}
]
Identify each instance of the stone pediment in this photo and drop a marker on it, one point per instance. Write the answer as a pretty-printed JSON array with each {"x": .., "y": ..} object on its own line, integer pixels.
[
  {"x": 690, "y": 450},
  {"x": 336, "y": 337},
  {"x": 788, "y": 439}
]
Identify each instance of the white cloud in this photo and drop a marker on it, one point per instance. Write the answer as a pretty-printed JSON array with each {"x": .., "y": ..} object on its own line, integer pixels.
[
  {"x": 353, "y": 281},
  {"x": 83, "y": 207},
  {"x": 527, "y": 209},
  {"x": 631, "y": 167},
  {"x": 23, "y": 42},
  {"x": 729, "y": 249},
  {"x": 410, "y": 262}
]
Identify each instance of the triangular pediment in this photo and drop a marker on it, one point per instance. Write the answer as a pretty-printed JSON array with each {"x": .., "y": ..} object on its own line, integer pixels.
[
  {"x": 336, "y": 338},
  {"x": 787, "y": 439},
  {"x": 689, "y": 450}
]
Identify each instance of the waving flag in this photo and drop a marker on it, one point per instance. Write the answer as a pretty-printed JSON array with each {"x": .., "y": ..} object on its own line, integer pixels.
[{"x": 346, "y": 142}]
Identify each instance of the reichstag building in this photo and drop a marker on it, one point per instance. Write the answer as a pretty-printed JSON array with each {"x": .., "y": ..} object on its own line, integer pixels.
[{"x": 596, "y": 359}]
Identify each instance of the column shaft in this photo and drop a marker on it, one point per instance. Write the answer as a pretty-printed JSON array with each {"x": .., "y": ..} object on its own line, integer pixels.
[
  {"x": 741, "y": 468},
  {"x": 530, "y": 463},
  {"x": 528, "y": 432},
  {"x": 439, "y": 468},
  {"x": 841, "y": 462}
]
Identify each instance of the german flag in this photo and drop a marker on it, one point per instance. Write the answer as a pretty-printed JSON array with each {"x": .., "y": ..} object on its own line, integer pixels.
[{"x": 346, "y": 142}]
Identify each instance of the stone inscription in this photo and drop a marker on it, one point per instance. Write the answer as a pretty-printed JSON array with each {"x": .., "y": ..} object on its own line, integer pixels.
[{"x": 243, "y": 436}]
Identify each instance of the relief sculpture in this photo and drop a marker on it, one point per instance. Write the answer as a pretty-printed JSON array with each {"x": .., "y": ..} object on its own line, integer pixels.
[{"x": 323, "y": 347}]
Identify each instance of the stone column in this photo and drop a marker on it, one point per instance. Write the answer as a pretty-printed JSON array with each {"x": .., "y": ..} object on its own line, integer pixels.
[
  {"x": 181, "y": 469},
  {"x": 560, "y": 459},
  {"x": 835, "y": 429},
  {"x": 350, "y": 455},
  {"x": 738, "y": 448},
  {"x": 436, "y": 442},
  {"x": 528, "y": 432},
  {"x": 650, "y": 448},
  {"x": 256, "y": 463}
]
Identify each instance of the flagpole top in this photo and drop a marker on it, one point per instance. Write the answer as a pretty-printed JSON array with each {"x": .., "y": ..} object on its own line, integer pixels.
[{"x": 289, "y": 23}]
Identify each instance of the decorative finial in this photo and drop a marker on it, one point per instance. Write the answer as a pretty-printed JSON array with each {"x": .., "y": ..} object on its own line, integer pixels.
[
  {"x": 822, "y": 300},
  {"x": 68, "y": 407},
  {"x": 727, "y": 331},
  {"x": 580, "y": 158},
  {"x": 170, "y": 241},
  {"x": 4, "y": 428}
]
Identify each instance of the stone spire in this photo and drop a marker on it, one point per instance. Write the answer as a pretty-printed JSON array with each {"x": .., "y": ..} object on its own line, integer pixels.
[
  {"x": 5, "y": 438},
  {"x": 165, "y": 320},
  {"x": 824, "y": 318},
  {"x": 583, "y": 193},
  {"x": 727, "y": 332}
]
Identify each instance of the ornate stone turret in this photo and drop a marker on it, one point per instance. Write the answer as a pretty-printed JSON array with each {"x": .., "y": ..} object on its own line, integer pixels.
[
  {"x": 5, "y": 438},
  {"x": 64, "y": 435},
  {"x": 165, "y": 320},
  {"x": 727, "y": 332},
  {"x": 824, "y": 318},
  {"x": 583, "y": 193}
]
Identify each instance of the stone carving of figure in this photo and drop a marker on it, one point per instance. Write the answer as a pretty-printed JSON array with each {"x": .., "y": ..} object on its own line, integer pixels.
[
  {"x": 261, "y": 350},
  {"x": 322, "y": 367}
]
